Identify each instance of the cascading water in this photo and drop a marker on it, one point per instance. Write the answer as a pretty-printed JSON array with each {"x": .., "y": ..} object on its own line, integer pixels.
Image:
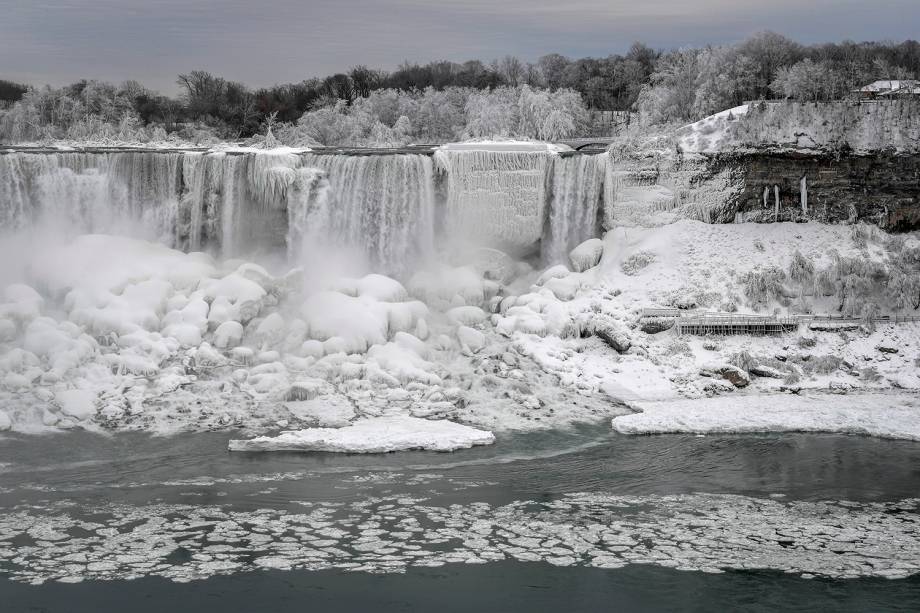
[
  {"x": 496, "y": 198},
  {"x": 383, "y": 204},
  {"x": 131, "y": 192},
  {"x": 238, "y": 203},
  {"x": 577, "y": 191}
]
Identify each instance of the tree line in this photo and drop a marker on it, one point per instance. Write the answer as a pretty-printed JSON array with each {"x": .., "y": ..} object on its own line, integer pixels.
[{"x": 661, "y": 86}]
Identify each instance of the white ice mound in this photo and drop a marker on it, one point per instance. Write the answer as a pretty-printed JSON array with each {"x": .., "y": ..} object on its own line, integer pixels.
[
  {"x": 883, "y": 415},
  {"x": 587, "y": 255},
  {"x": 373, "y": 435},
  {"x": 102, "y": 262}
]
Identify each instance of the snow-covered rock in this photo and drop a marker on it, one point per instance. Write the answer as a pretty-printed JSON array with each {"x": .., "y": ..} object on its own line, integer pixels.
[
  {"x": 471, "y": 340},
  {"x": 587, "y": 255}
]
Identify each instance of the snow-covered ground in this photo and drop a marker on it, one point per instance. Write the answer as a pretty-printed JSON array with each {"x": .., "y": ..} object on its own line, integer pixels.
[{"x": 113, "y": 333}]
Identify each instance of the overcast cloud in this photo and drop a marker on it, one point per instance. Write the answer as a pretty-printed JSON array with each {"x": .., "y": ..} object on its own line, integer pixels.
[{"x": 273, "y": 41}]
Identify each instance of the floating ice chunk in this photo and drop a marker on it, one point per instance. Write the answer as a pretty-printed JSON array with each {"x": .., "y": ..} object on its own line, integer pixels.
[
  {"x": 587, "y": 255},
  {"x": 373, "y": 435},
  {"x": 884, "y": 415}
]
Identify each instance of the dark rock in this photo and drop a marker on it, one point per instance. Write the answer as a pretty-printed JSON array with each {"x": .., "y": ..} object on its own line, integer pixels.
[
  {"x": 654, "y": 325},
  {"x": 614, "y": 337},
  {"x": 887, "y": 349},
  {"x": 732, "y": 374}
]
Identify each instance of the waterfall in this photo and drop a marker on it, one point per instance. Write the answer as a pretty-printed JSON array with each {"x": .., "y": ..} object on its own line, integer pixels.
[
  {"x": 496, "y": 198},
  {"x": 382, "y": 204},
  {"x": 241, "y": 203},
  {"x": 127, "y": 193},
  {"x": 577, "y": 190}
]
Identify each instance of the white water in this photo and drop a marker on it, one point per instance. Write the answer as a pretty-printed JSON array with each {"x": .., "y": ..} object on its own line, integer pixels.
[
  {"x": 382, "y": 204},
  {"x": 131, "y": 192},
  {"x": 496, "y": 198},
  {"x": 576, "y": 194},
  {"x": 236, "y": 204}
]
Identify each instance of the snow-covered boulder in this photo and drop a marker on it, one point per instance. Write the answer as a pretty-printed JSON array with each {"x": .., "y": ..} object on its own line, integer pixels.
[
  {"x": 730, "y": 373},
  {"x": 614, "y": 334},
  {"x": 471, "y": 340},
  {"x": 466, "y": 315},
  {"x": 587, "y": 255},
  {"x": 228, "y": 335},
  {"x": 553, "y": 272}
]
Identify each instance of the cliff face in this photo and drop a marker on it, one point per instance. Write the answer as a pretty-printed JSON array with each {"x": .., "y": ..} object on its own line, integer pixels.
[{"x": 882, "y": 189}]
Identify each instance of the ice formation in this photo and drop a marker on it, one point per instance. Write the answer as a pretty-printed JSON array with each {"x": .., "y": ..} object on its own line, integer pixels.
[
  {"x": 373, "y": 435},
  {"x": 70, "y": 541},
  {"x": 499, "y": 197},
  {"x": 106, "y": 331}
]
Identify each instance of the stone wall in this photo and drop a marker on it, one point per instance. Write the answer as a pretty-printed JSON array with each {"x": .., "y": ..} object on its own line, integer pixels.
[{"x": 882, "y": 189}]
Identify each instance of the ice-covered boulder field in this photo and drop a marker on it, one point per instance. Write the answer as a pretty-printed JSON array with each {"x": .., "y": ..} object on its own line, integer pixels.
[{"x": 455, "y": 346}]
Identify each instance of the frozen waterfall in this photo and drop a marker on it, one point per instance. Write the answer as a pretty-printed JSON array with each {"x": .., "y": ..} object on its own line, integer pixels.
[
  {"x": 577, "y": 191},
  {"x": 383, "y": 204},
  {"x": 393, "y": 208}
]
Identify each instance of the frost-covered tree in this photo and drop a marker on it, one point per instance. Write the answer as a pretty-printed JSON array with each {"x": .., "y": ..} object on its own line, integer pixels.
[
  {"x": 809, "y": 81},
  {"x": 671, "y": 93}
]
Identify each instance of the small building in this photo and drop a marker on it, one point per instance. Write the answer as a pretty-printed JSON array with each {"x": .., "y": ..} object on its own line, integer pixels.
[{"x": 889, "y": 88}]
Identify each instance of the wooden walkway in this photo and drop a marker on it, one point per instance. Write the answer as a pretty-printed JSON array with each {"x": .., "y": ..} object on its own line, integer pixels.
[{"x": 730, "y": 324}]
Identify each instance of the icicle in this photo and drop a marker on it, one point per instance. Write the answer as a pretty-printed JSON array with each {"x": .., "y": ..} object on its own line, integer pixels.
[
  {"x": 766, "y": 196},
  {"x": 776, "y": 203},
  {"x": 804, "y": 194}
]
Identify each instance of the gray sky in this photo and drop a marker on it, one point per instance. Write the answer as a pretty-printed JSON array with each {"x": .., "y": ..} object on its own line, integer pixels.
[{"x": 262, "y": 42}]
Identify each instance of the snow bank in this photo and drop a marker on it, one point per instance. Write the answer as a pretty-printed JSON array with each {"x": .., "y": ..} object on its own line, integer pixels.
[
  {"x": 883, "y": 415},
  {"x": 373, "y": 435}
]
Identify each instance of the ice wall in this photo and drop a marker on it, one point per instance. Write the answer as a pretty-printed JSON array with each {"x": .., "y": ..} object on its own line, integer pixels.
[{"x": 497, "y": 198}]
